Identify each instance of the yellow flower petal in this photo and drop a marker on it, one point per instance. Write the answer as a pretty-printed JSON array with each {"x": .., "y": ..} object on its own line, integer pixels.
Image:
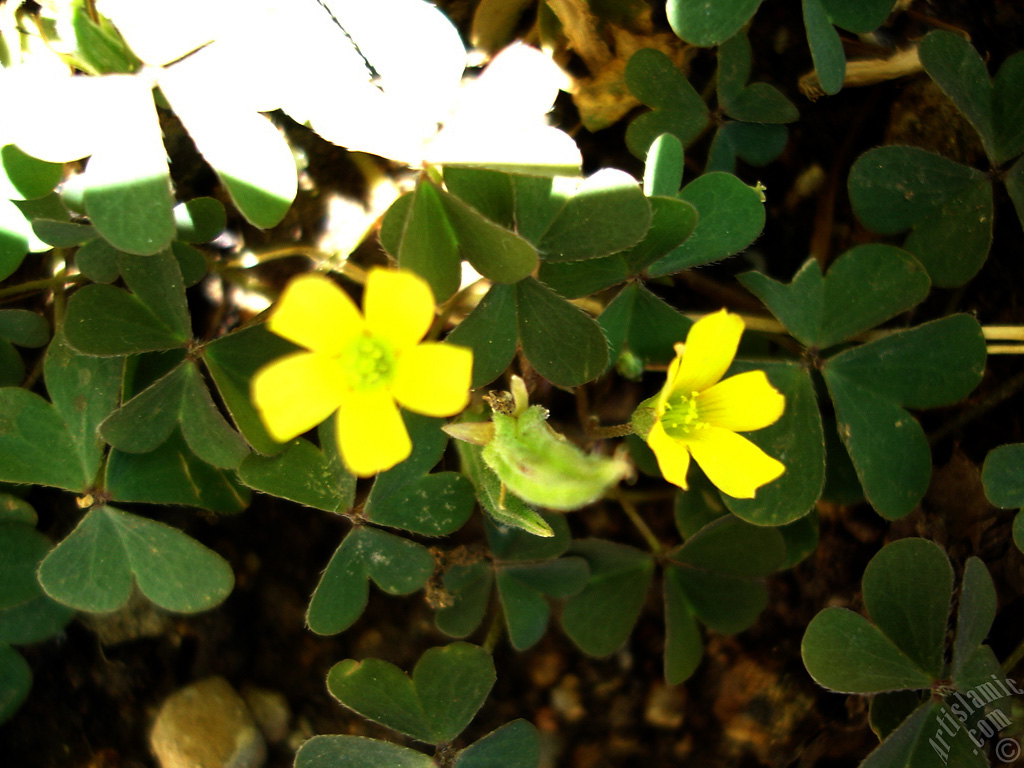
[
  {"x": 315, "y": 313},
  {"x": 733, "y": 463},
  {"x": 673, "y": 456},
  {"x": 398, "y": 306},
  {"x": 296, "y": 392},
  {"x": 710, "y": 347},
  {"x": 742, "y": 403},
  {"x": 371, "y": 434},
  {"x": 433, "y": 379}
]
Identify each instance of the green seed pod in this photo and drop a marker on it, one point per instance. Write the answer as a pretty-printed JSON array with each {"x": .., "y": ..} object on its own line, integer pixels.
[{"x": 543, "y": 468}]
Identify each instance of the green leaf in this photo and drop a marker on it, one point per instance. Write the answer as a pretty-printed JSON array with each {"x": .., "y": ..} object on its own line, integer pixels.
[
  {"x": 754, "y": 143},
  {"x": 677, "y": 108},
  {"x": 428, "y": 245},
  {"x": 408, "y": 498},
  {"x": 826, "y": 47},
  {"x": 250, "y": 156},
  {"x": 907, "y": 588},
  {"x": 200, "y": 219},
  {"x": 683, "y": 646},
  {"x": 976, "y": 612},
  {"x": 15, "y": 236},
  {"x": 36, "y": 444},
  {"x": 21, "y": 549},
  {"x": 639, "y": 322},
  {"x": 15, "y": 682},
  {"x": 860, "y": 17},
  {"x": 173, "y": 474},
  {"x": 730, "y": 217},
  {"x": 844, "y": 652},
  {"x": 948, "y": 205},
  {"x": 304, "y": 474},
  {"x": 397, "y": 566},
  {"x": 23, "y": 177},
  {"x": 886, "y": 444},
  {"x": 487, "y": 191},
  {"x": 106, "y": 321},
  {"x": 513, "y": 745},
  {"x": 469, "y": 587},
  {"x": 707, "y": 25},
  {"x": 180, "y": 398},
  {"x": 157, "y": 281},
  {"x": 797, "y": 440},
  {"x": 1008, "y": 109},
  {"x": 755, "y": 103},
  {"x": 497, "y": 253},
  {"x": 357, "y": 752},
  {"x": 92, "y": 569},
  {"x": 127, "y": 184},
  {"x": 600, "y": 618},
  {"x": 35, "y": 620},
  {"x": 15, "y": 510},
  {"x": 447, "y": 687},
  {"x": 934, "y": 364},
  {"x": 564, "y": 344},
  {"x": 24, "y": 328},
  {"x": 865, "y": 286},
  {"x": 232, "y": 361},
  {"x": 490, "y": 331},
  {"x": 522, "y": 589},
  {"x": 97, "y": 260},
  {"x": 62, "y": 234},
  {"x": 605, "y": 214},
  {"x": 921, "y": 738},
  {"x": 663, "y": 169},
  {"x": 1003, "y": 476},
  {"x": 960, "y": 72}
]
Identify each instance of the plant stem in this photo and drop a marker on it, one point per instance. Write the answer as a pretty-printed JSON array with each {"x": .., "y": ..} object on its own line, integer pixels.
[
  {"x": 631, "y": 512},
  {"x": 42, "y": 284},
  {"x": 616, "y": 430}
]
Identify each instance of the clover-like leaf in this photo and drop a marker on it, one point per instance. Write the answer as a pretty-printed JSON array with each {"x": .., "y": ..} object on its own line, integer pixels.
[
  {"x": 708, "y": 25},
  {"x": 357, "y": 752},
  {"x": 934, "y": 364},
  {"x": 564, "y": 344},
  {"x": 824, "y": 311},
  {"x": 396, "y": 565},
  {"x": 513, "y": 745},
  {"x": 677, "y": 108},
  {"x": 947, "y": 207},
  {"x": 490, "y": 331},
  {"x": 407, "y": 497},
  {"x": 600, "y": 618},
  {"x": 304, "y": 473},
  {"x": 447, "y": 687},
  {"x": 730, "y": 216},
  {"x": 92, "y": 569}
]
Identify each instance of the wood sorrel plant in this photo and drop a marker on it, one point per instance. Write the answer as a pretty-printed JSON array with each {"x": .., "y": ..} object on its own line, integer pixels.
[{"x": 137, "y": 400}]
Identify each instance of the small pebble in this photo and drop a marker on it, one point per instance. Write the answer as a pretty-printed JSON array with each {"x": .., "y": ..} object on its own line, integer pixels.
[
  {"x": 207, "y": 725},
  {"x": 271, "y": 710}
]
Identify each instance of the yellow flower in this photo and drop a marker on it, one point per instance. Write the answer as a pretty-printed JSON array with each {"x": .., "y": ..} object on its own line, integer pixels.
[
  {"x": 360, "y": 366},
  {"x": 697, "y": 415}
]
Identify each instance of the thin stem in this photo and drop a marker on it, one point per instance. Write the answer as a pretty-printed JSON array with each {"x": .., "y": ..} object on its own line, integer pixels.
[
  {"x": 631, "y": 512},
  {"x": 32, "y": 286},
  {"x": 493, "y": 632},
  {"x": 616, "y": 430}
]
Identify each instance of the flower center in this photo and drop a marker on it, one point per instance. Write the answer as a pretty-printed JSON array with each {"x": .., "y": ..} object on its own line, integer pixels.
[
  {"x": 682, "y": 416},
  {"x": 368, "y": 364}
]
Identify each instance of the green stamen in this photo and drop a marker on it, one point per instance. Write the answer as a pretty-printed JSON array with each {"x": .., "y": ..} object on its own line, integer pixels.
[
  {"x": 682, "y": 415},
  {"x": 368, "y": 363}
]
